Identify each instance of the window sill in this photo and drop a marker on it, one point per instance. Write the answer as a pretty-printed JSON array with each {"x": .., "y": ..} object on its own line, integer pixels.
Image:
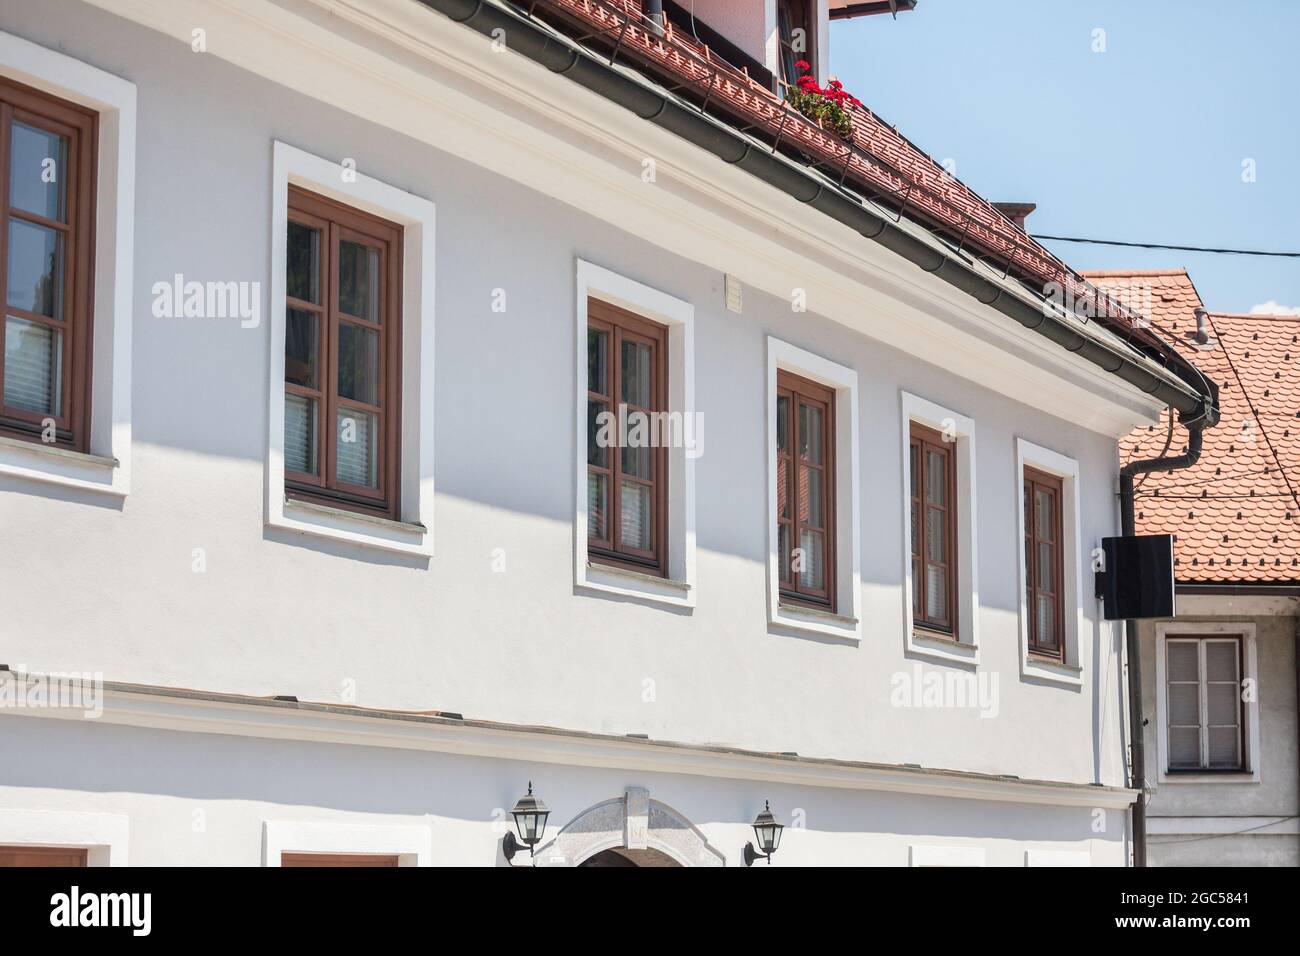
[
  {"x": 309, "y": 517},
  {"x": 814, "y": 620},
  {"x": 626, "y": 582},
  {"x": 56, "y": 465},
  {"x": 1049, "y": 669},
  {"x": 942, "y": 647},
  {"x": 1238, "y": 777}
]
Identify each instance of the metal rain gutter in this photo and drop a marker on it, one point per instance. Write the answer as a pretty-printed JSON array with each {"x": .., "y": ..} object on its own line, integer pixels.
[{"x": 564, "y": 56}]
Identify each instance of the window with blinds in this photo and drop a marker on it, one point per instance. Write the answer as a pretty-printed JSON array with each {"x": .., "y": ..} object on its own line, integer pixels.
[
  {"x": 45, "y": 266},
  {"x": 933, "y": 520},
  {"x": 342, "y": 356},
  {"x": 1204, "y": 710},
  {"x": 627, "y": 480},
  {"x": 805, "y": 490},
  {"x": 1044, "y": 562}
]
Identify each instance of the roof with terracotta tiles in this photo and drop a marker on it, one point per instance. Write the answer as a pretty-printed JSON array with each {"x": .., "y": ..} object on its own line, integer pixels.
[
  {"x": 877, "y": 161},
  {"x": 1234, "y": 514}
]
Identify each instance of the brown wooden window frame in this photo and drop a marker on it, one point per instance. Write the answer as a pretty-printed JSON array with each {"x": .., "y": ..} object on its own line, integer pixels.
[
  {"x": 923, "y": 440},
  {"x": 22, "y": 855},
  {"x": 790, "y": 467},
  {"x": 1035, "y": 481},
  {"x": 338, "y": 222},
  {"x": 1203, "y": 725},
  {"x": 620, "y": 325},
  {"x": 79, "y": 128}
]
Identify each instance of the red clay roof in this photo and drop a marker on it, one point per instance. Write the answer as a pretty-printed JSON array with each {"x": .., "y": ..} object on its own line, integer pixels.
[
  {"x": 878, "y": 162},
  {"x": 1233, "y": 514}
]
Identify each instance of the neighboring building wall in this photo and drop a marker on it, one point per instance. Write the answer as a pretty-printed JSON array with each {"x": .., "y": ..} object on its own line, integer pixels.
[
  {"x": 746, "y": 23},
  {"x": 1199, "y": 823}
]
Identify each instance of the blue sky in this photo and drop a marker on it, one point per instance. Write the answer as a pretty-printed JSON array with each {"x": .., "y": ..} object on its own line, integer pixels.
[{"x": 1143, "y": 142}]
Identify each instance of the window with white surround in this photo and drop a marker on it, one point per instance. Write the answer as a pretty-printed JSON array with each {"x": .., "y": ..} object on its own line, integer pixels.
[
  {"x": 812, "y": 501},
  {"x": 634, "y": 518},
  {"x": 378, "y": 844},
  {"x": 940, "y": 575},
  {"x": 96, "y": 839},
  {"x": 83, "y": 408},
  {"x": 1049, "y": 642},
  {"x": 1207, "y": 702},
  {"x": 402, "y": 523}
]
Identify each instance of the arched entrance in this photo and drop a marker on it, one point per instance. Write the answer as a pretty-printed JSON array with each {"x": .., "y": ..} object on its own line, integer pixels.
[{"x": 631, "y": 830}]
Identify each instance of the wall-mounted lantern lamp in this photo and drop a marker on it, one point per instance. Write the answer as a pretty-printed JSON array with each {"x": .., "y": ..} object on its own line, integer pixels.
[
  {"x": 530, "y": 820},
  {"x": 768, "y": 833}
]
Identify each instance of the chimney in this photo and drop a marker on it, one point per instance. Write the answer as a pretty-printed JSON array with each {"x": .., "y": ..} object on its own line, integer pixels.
[
  {"x": 1017, "y": 212},
  {"x": 654, "y": 12},
  {"x": 1202, "y": 328}
]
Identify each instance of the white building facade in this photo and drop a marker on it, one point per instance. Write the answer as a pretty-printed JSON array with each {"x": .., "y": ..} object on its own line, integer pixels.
[{"x": 285, "y": 672}]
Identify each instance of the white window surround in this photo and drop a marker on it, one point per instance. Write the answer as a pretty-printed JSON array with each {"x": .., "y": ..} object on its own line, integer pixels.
[
  {"x": 1058, "y": 858},
  {"x": 103, "y": 836},
  {"x": 965, "y": 649},
  {"x": 846, "y": 619},
  {"x": 678, "y": 587},
  {"x": 412, "y": 845},
  {"x": 1250, "y": 708},
  {"x": 927, "y": 855},
  {"x": 1069, "y": 671},
  {"x": 106, "y": 467},
  {"x": 413, "y": 533}
]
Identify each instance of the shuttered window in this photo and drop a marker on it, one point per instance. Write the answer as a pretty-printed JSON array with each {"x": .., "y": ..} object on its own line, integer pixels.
[
  {"x": 1203, "y": 703},
  {"x": 46, "y": 173},
  {"x": 342, "y": 356}
]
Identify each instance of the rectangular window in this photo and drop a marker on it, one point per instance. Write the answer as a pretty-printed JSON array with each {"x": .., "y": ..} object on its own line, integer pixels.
[
  {"x": 627, "y": 478},
  {"x": 46, "y": 212},
  {"x": 805, "y": 497},
  {"x": 353, "y": 860},
  {"x": 17, "y": 856},
  {"x": 1044, "y": 562},
  {"x": 1204, "y": 709},
  {"x": 342, "y": 360},
  {"x": 933, "y": 495},
  {"x": 795, "y": 21}
]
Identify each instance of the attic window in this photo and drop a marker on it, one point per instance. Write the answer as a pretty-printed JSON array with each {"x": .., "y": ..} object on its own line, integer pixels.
[{"x": 795, "y": 23}]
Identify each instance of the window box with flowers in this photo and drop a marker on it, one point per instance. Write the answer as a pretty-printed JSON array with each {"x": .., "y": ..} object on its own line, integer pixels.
[{"x": 827, "y": 107}]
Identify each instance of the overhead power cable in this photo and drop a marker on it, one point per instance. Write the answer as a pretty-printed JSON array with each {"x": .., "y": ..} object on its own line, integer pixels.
[{"x": 1158, "y": 245}]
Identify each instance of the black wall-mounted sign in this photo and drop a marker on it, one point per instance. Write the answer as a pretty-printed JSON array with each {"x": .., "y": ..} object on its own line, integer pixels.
[{"x": 1138, "y": 581}]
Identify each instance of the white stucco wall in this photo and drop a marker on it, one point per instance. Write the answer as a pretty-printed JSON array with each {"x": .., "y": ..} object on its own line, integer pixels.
[{"x": 97, "y": 584}]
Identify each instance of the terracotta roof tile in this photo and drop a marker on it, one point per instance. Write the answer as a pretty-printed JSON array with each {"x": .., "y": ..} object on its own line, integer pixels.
[{"x": 1233, "y": 514}]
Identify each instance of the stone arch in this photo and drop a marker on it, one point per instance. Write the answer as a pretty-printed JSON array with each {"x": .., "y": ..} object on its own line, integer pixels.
[{"x": 632, "y": 822}]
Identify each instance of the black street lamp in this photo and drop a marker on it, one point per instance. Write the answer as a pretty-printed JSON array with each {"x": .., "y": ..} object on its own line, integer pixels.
[
  {"x": 530, "y": 820},
  {"x": 768, "y": 833}
]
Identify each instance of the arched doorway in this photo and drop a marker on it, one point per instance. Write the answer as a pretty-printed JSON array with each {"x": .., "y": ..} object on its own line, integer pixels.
[{"x": 631, "y": 830}]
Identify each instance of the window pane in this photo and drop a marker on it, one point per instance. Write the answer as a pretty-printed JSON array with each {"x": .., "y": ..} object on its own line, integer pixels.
[
  {"x": 597, "y": 507},
  {"x": 33, "y": 367},
  {"x": 1046, "y": 621},
  {"x": 783, "y": 423},
  {"x": 636, "y": 453},
  {"x": 936, "y": 535},
  {"x": 916, "y": 529},
  {"x": 636, "y": 374},
  {"x": 1184, "y": 705},
  {"x": 356, "y": 458},
  {"x": 813, "y": 559},
  {"x": 301, "y": 348},
  {"x": 597, "y": 442},
  {"x": 936, "y": 478},
  {"x": 917, "y": 574},
  {"x": 1224, "y": 752},
  {"x": 914, "y": 471},
  {"x": 37, "y": 171},
  {"x": 636, "y": 518},
  {"x": 1221, "y": 660},
  {"x": 810, "y": 433},
  {"x": 1183, "y": 661},
  {"x": 1046, "y": 568},
  {"x": 811, "y": 484},
  {"x": 597, "y": 361},
  {"x": 304, "y": 263},
  {"x": 1221, "y": 700},
  {"x": 1045, "y": 527},
  {"x": 936, "y": 592},
  {"x": 359, "y": 280},
  {"x": 35, "y": 269},
  {"x": 358, "y": 363},
  {"x": 1184, "y": 747},
  {"x": 783, "y": 550},
  {"x": 783, "y": 487},
  {"x": 300, "y": 434}
]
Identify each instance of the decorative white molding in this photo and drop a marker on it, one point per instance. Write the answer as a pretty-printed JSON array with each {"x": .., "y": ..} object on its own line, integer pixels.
[
  {"x": 846, "y": 619},
  {"x": 612, "y": 823},
  {"x": 1069, "y": 672},
  {"x": 926, "y": 855},
  {"x": 680, "y": 585},
  {"x": 966, "y": 649},
  {"x": 412, "y": 535},
  {"x": 412, "y": 845},
  {"x": 107, "y": 466},
  {"x": 1250, "y": 708},
  {"x": 104, "y": 836}
]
